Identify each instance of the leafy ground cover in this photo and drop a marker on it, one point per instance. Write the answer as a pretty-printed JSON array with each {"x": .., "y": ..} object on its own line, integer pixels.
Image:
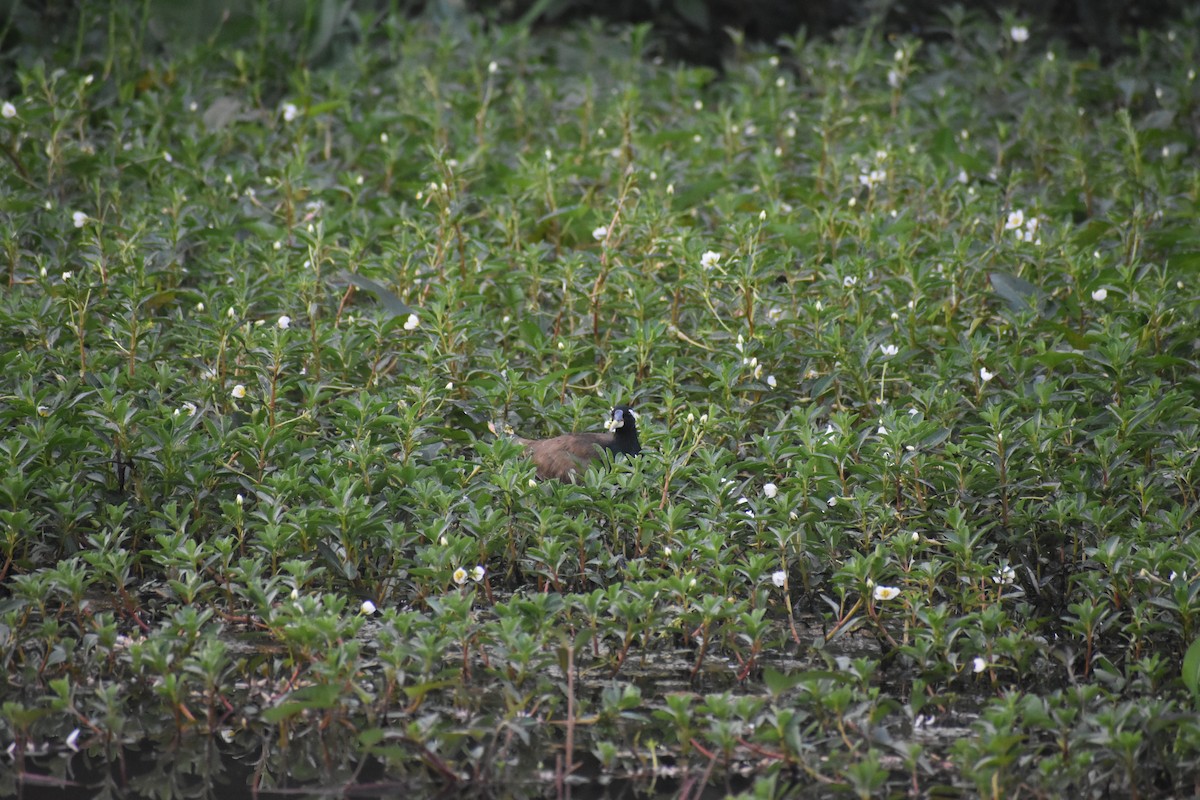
[{"x": 910, "y": 325}]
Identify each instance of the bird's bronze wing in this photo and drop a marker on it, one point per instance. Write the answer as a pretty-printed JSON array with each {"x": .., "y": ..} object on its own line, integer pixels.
[{"x": 564, "y": 457}]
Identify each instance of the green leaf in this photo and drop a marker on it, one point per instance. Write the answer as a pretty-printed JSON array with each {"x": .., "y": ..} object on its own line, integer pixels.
[
  {"x": 158, "y": 300},
  {"x": 320, "y": 697},
  {"x": 370, "y": 737},
  {"x": 393, "y": 304},
  {"x": 1021, "y": 295},
  {"x": 695, "y": 12},
  {"x": 934, "y": 439},
  {"x": 1186, "y": 261},
  {"x": 1018, "y": 293},
  {"x": 342, "y": 565},
  {"x": 1052, "y": 358},
  {"x": 779, "y": 682},
  {"x": 1191, "y": 670}
]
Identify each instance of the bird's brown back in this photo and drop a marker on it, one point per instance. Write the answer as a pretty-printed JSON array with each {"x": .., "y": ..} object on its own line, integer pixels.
[{"x": 564, "y": 457}]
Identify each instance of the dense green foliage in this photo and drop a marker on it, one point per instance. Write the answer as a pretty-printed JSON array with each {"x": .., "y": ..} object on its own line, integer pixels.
[{"x": 911, "y": 329}]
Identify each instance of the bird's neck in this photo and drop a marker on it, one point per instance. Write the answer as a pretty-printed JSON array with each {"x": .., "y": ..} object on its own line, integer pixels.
[{"x": 625, "y": 441}]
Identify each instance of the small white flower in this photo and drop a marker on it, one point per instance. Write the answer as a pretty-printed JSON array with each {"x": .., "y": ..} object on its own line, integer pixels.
[
  {"x": 1100, "y": 295},
  {"x": 43, "y": 411},
  {"x": 985, "y": 374},
  {"x": 290, "y": 112},
  {"x": 1019, "y": 33},
  {"x": 770, "y": 490},
  {"x": 779, "y": 578},
  {"x": 239, "y": 499},
  {"x": 889, "y": 350},
  {"x": 873, "y": 178},
  {"x": 532, "y": 483},
  {"x": 710, "y": 259},
  {"x": 478, "y": 573},
  {"x": 691, "y": 418},
  {"x": 460, "y": 576},
  {"x": 1005, "y": 575},
  {"x": 238, "y": 392},
  {"x": 284, "y": 322},
  {"x": 412, "y": 323},
  {"x": 188, "y": 408},
  {"x": 79, "y": 219},
  {"x": 449, "y": 386},
  {"x": 978, "y": 665},
  {"x": 599, "y": 233},
  {"x": 771, "y": 381},
  {"x": 848, "y": 281},
  {"x": 8, "y": 110},
  {"x": 66, "y": 276},
  {"x": 885, "y": 592},
  {"x": 1014, "y": 220},
  {"x": 367, "y": 608},
  {"x": 72, "y": 741},
  {"x": 493, "y": 68}
]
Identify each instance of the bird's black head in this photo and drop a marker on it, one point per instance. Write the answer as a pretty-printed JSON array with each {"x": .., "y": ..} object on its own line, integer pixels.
[{"x": 623, "y": 425}]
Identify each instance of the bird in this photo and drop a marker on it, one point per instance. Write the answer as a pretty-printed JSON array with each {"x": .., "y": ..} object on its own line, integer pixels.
[{"x": 564, "y": 458}]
